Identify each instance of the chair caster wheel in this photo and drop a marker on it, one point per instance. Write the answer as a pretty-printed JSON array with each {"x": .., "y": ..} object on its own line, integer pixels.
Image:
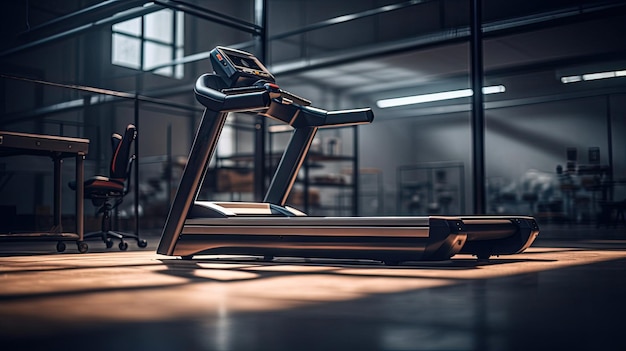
[
  {"x": 123, "y": 246},
  {"x": 82, "y": 246},
  {"x": 109, "y": 243},
  {"x": 60, "y": 246},
  {"x": 142, "y": 243}
]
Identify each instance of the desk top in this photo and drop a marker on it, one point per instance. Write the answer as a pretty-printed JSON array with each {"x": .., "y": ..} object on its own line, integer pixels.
[{"x": 13, "y": 143}]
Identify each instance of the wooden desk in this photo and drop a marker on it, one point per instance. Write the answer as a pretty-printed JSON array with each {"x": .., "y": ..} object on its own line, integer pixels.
[{"x": 58, "y": 148}]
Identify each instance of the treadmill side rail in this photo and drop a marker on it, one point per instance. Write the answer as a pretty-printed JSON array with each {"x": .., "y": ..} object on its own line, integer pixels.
[
  {"x": 489, "y": 236},
  {"x": 375, "y": 238},
  {"x": 443, "y": 245}
]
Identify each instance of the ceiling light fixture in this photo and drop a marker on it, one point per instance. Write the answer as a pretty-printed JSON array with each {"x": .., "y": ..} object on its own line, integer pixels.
[
  {"x": 279, "y": 128},
  {"x": 444, "y": 95},
  {"x": 593, "y": 76}
]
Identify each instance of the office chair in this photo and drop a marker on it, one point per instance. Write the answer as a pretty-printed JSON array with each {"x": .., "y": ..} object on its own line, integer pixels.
[{"x": 107, "y": 193}]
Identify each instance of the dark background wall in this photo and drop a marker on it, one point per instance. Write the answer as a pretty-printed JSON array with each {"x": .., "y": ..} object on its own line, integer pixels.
[{"x": 418, "y": 48}]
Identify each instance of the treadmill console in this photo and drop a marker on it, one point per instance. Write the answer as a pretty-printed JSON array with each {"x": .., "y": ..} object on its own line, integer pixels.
[{"x": 238, "y": 68}]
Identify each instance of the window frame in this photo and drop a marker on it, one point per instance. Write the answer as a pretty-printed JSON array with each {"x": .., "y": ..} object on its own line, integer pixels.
[{"x": 175, "y": 47}]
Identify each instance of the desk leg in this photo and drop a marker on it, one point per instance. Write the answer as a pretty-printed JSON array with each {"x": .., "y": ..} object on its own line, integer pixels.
[
  {"x": 80, "y": 179},
  {"x": 57, "y": 195}
]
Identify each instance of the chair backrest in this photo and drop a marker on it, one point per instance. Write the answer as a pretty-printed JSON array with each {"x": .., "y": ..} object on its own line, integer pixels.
[{"x": 121, "y": 159}]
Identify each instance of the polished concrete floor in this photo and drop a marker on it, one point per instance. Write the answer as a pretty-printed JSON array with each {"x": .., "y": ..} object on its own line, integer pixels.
[{"x": 567, "y": 292}]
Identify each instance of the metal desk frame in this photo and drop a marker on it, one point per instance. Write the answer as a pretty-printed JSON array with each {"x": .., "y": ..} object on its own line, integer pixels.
[{"x": 58, "y": 148}]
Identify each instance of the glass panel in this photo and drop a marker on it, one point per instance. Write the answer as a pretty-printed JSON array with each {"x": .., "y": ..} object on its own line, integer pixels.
[
  {"x": 226, "y": 142},
  {"x": 179, "y": 69},
  {"x": 155, "y": 55},
  {"x": 180, "y": 28},
  {"x": 158, "y": 26},
  {"x": 125, "y": 51},
  {"x": 132, "y": 27},
  {"x": 538, "y": 159}
]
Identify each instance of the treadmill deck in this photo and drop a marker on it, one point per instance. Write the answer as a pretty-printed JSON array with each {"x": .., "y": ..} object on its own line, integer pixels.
[{"x": 389, "y": 239}]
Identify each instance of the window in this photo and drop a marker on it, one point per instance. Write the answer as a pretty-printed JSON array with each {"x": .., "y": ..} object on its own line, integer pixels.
[{"x": 147, "y": 42}]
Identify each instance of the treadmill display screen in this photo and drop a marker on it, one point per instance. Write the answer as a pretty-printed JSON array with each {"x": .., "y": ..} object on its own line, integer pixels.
[
  {"x": 239, "y": 66},
  {"x": 244, "y": 62}
]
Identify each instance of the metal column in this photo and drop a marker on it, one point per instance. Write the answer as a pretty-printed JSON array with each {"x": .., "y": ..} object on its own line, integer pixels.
[
  {"x": 478, "y": 117},
  {"x": 260, "y": 124}
]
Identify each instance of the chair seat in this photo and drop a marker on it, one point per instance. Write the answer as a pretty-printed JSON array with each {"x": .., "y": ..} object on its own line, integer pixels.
[{"x": 101, "y": 186}]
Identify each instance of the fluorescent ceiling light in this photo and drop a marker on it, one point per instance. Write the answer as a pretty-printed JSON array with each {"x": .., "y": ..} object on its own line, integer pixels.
[
  {"x": 601, "y": 75},
  {"x": 593, "y": 76},
  {"x": 494, "y": 89},
  {"x": 571, "y": 79},
  {"x": 445, "y": 95},
  {"x": 279, "y": 128}
]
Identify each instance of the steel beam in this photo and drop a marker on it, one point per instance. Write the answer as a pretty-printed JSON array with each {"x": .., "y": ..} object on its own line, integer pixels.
[{"x": 478, "y": 115}]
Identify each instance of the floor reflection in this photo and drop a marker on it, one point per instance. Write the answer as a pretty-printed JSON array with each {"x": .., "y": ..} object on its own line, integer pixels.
[{"x": 141, "y": 300}]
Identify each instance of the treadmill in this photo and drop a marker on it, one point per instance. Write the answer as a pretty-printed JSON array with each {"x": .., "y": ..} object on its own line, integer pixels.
[{"x": 241, "y": 83}]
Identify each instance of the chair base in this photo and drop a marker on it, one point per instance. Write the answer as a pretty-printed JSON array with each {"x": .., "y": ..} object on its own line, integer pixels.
[{"x": 108, "y": 236}]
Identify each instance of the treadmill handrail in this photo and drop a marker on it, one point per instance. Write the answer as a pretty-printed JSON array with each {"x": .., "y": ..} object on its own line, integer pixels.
[
  {"x": 259, "y": 98},
  {"x": 316, "y": 117},
  {"x": 251, "y": 99}
]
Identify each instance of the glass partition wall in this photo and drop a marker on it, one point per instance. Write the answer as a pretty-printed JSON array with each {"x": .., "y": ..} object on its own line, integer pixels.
[
  {"x": 87, "y": 69},
  {"x": 553, "y": 101}
]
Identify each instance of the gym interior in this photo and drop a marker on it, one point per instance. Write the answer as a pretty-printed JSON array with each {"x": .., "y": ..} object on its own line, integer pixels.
[{"x": 102, "y": 121}]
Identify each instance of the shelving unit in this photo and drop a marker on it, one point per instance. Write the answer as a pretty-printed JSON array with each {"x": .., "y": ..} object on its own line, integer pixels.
[
  {"x": 329, "y": 193},
  {"x": 371, "y": 196},
  {"x": 231, "y": 178},
  {"x": 431, "y": 188}
]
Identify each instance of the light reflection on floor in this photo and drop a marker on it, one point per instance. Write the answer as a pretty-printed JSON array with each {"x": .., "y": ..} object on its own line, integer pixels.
[{"x": 50, "y": 294}]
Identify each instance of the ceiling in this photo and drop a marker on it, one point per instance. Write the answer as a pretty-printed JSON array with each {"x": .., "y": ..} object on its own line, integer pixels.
[
  {"x": 528, "y": 59},
  {"x": 343, "y": 54}
]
